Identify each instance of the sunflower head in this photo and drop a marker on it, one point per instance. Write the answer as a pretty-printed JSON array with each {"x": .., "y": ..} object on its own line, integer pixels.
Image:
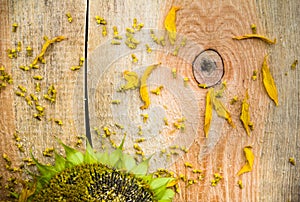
[{"x": 92, "y": 176}]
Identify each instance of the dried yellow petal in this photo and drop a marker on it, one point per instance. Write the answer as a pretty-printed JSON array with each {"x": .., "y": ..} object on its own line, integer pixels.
[
  {"x": 44, "y": 48},
  {"x": 250, "y": 159},
  {"x": 240, "y": 183},
  {"x": 292, "y": 161},
  {"x": 208, "y": 112},
  {"x": 157, "y": 90},
  {"x": 293, "y": 66},
  {"x": 104, "y": 31},
  {"x": 269, "y": 82},
  {"x": 132, "y": 79},
  {"x": 234, "y": 100},
  {"x": 254, "y": 75},
  {"x": 216, "y": 180},
  {"x": 253, "y": 27},
  {"x": 149, "y": 50},
  {"x": 145, "y": 117},
  {"x": 70, "y": 19},
  {"x": 27, "y": 191},
  {"x": 257, "y": 36},
  {"x": 221, "y": 110},
  {"x": 14, "y": 27},
  {"x": 188, "y": 165},
  {"x": 245, "y": 115},
  {"x": 144, "y": 88},
  {"x": 144, "y": 96},
  {"x": 114, "y": 42},
  {"x": 170, "y": 23},
  {"x": 172, "y": 183},
  {"x": 134, "y": 58}
]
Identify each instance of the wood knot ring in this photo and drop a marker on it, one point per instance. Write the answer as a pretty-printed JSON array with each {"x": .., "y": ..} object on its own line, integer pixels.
[{"x": 208, "y": 68}]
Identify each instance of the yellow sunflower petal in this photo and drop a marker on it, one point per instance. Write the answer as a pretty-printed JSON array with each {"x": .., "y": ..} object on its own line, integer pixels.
[
  {"x": 269, "y": 82},
  {"x": 245, "y": 115},
  {"x": 208, "y": 112},
  {"x": 250, "y": 159},
  {"x": 170, "y": 23}
]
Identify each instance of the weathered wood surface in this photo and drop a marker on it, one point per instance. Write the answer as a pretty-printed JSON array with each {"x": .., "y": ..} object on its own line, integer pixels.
[
  {"x": 279, "y": 181},
  {"x": 209, "y": 25},
  {"x": 37, "y": 19}
]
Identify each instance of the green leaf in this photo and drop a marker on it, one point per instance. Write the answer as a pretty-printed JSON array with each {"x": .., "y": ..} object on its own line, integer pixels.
[
  {"x": 103, "y": 157},
  {"x": 13, "y": 194},
  {"x": 60, "y": 162},
  {"x": 167, "y": 196},
  {"x": 115, "y": 158},
  {"x": 122, "y": 143},
  {"x": 147, "y": 178},
  {"x": 69, "y": 164},
  {"x": 159, "y": 182},
  {"x": 72, "y": 155},
  {"x": 46, "y": 171},
  {"x": 142, "y": 168},
  {"x": 42, "y": 181},
  {"x": 165, "y": 200},
  {"x": 162, "y": 192},
  {"x": 128, "y": 162},
  {"x": 90, "y": 155}
]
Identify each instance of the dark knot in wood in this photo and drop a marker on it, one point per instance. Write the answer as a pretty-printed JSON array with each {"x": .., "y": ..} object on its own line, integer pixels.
[{"x": 208, "y": 68}]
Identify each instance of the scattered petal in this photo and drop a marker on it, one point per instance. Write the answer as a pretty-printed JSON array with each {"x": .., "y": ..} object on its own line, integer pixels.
[
  {"x": 245, "y": 115},
  {"x": 293, "y": 66},
  {"x": 170, "y": 23},
  {"x": 257, "y": 36},
  {"x": 221, "y": 110},
  {"x": 132, "y": 79},
  {"x": 144, "y": 88},
  {"x": 292, "y": 161},
  {"x": 250, "y": 159},
  {"x": 269, "y": 82},
  {"x": 208, "y": 112}
]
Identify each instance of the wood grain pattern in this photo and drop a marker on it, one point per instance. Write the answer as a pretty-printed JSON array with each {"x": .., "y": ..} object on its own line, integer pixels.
[
  {"x": 279, "y": 181},
  {"x": 207, "y": 25},
  {"x": 7, "y": 120},
  {"x": 212, "y": 25},
  {"x": 37, "y": 19}
]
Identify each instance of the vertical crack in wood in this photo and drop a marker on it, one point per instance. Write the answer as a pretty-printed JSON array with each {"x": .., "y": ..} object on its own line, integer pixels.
[{"x": 86, "y": 101}]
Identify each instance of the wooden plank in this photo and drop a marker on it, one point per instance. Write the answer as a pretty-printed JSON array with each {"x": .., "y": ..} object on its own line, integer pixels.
[
  {"x": 279, "y": 180},
  {"x": 37, "y": 19},
  {"x": 206, "y": 25},
  {"x": 210, "y": 26},
  {"x": 7, "y": 125}
]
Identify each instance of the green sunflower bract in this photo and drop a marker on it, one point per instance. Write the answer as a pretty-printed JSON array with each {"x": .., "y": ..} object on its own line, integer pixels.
[{"x": 99, "y": 176}]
